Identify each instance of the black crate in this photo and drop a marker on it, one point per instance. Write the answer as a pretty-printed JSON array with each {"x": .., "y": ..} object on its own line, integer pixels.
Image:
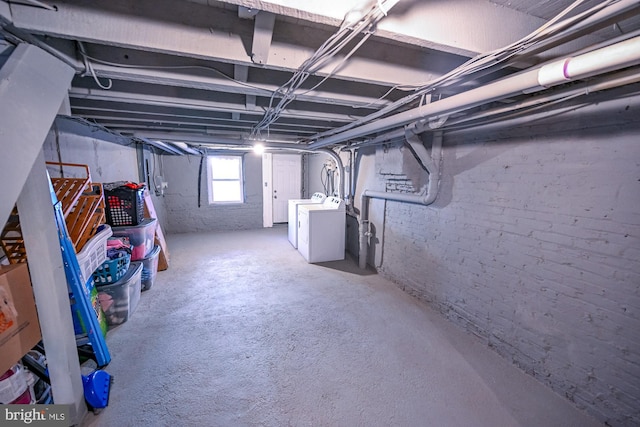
[{"x": 125, "y": 206}]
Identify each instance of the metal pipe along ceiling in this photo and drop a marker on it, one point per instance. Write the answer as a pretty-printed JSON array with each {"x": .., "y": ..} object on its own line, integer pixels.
[
  {"x": 547, "y": 37},
  {"x": 481, "y": 118},
  {"x": 600, "y": 61},
  {"x": 611, "y": 14}
]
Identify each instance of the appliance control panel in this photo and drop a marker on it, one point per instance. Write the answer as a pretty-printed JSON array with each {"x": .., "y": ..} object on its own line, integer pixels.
[
  {"x": 333, "y": 202},
  {"x": 318, "y": 197}
]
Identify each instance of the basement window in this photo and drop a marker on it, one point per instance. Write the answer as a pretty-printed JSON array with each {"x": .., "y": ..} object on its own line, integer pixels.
[{"x": 226, "y": 181}]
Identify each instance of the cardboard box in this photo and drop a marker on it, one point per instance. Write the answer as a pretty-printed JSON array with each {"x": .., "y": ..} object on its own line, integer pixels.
[{"x": 19, "y": 326}]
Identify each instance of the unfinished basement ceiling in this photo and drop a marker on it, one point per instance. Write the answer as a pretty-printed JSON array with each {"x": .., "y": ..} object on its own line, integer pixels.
[{"x": 206, "y": 72}]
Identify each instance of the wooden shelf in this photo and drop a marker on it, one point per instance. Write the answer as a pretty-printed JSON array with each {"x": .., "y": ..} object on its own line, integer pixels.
[{"x": 82, "y": 207}]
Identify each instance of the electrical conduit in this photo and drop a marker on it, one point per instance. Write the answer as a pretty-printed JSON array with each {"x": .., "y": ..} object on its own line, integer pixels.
[
  {"x": 338, "y": 160},
  {"x": 617, "y": 56},
  {"x": 620, "y": 78}
]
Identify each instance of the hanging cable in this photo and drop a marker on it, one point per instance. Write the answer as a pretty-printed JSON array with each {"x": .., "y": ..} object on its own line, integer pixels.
[
  {"x": 200, "y": 181},
  {"x": 337, "y": 67},
  {"x": 323, "y": 179},
  {"x": 346, "y": 33},
  {"x": 172, "y": 67},
  {"x": 482, "y": 62},
  {"x": 89, "y": 68},
  {"x": 57, "y": 135}
]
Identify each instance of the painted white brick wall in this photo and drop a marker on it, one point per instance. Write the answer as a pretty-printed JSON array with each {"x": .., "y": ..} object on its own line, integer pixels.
[
  {"x": 534, "y": 245},
  {"x": 108, "y": 162},
  {"x": 181, "y": 198}
]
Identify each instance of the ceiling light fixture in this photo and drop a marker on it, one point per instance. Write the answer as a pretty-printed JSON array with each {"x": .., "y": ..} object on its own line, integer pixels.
[{"x": 258, "y": 148}]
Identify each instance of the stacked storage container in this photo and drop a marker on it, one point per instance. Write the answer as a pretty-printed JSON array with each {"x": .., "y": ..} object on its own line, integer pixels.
[
  {"x": 119, "y": 281},
  {"x": 150, "y": 268},
  {"x": 120, "y": 299},
  {"x": 141, "y": 237}
]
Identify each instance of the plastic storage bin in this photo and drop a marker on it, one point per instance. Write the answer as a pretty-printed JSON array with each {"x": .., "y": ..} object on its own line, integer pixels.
[
  {"x": 119, "y": 300},
  {"x": 16, "y": 386},
  {"x": 150, "y": 268},
  {"x": 111, "y": 270},
  {"x": 141, "y": 237},
  {"x": 94, "y": 253},
  {"x": 124, "y": 206}
]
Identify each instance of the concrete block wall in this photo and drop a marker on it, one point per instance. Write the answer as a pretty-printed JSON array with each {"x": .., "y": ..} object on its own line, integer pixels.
[
  {"x": 107, "y": 161},
  {"x": 181, "y": 198},
  {"x": 533, "y": 245}
]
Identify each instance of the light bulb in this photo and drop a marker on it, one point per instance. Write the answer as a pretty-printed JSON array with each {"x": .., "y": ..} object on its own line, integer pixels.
[{"x": 258, "y": 148}]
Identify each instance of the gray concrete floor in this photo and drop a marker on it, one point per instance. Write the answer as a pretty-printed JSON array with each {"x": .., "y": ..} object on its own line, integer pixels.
[{"x": 241, "y": 331}]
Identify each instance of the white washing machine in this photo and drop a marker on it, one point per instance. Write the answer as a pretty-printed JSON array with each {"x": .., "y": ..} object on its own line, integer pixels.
[
  {"x": 321, "y": 230},
  {"x": 293, "y": 214}
]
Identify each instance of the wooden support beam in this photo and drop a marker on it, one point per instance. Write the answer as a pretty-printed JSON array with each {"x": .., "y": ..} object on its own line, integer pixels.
[
  {"x": 33, "y": 85},
  {"x": 49, "y": 282},
  {"x": 262, "y": 34}
]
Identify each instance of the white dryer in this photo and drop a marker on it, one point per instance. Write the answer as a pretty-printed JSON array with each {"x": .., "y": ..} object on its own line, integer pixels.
[
  {"x": 293, "y": 214},
  {"x": 321, "y": 231}
]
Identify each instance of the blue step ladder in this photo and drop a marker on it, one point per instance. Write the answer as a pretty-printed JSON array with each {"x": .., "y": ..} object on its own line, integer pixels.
[{"x": 80, "y": 292}]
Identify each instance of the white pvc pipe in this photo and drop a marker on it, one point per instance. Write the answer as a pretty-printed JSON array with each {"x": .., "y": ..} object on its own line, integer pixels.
[
  {"x": 617, "y": 56},
  {"x": 612, "y": 13},
  {"x": 614, "y": 57},
  {"x": 621, "y": 78},
  {"x": 532, "y": 118},
  {"x": 490, "y": 92}
]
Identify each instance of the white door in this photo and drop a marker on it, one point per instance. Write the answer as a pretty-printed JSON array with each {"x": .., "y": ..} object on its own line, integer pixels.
[{"x": 286, "y": 183}]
